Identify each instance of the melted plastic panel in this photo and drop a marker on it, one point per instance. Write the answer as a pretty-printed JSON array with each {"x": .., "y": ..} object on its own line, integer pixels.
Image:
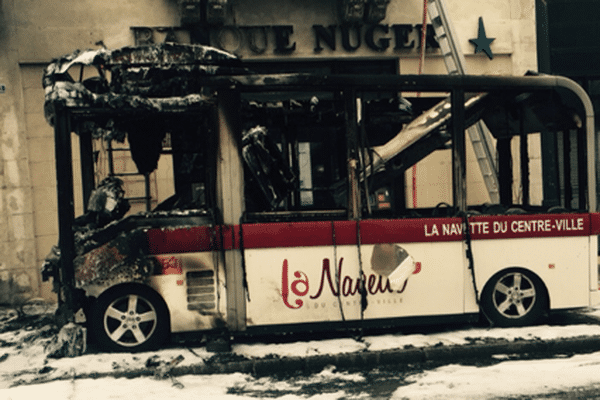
[
  {"x": 111, "y": 249},
  {"x": 123, "y": 259},
  {"x": 101, "y": 253}
]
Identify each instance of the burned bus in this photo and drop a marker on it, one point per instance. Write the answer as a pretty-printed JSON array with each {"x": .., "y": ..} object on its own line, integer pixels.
[{"x": 279, "y": 202}]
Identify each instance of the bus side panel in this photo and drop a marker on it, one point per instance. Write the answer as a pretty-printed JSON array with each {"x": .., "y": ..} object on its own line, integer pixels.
[
  {"x": 562, "y": 263},
  {"x": 434, "y": 288},
  {"x": 320, "y": 284},
  {"x": 283, "y": 282},
  {"x": 594, "y": 271},
  {"x": 193, "y": 287}
]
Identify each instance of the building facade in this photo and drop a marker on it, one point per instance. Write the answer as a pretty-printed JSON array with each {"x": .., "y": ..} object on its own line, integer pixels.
[{"x": 310, "y": 36}]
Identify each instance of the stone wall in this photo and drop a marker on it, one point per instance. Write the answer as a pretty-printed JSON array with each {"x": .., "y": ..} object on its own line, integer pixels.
[
  {"x": 34, "y": 32},
  {"x": 18, "y": 276}
]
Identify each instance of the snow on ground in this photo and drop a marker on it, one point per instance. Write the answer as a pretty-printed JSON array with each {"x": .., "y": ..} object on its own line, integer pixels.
[
  {"x": 507, "y": 379},
  {"x": 26, "y": 372},
  {"x": 189, "y": 387}
]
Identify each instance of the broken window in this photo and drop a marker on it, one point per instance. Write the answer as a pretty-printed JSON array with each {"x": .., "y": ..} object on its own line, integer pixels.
[{"x": 294, "y": 149}]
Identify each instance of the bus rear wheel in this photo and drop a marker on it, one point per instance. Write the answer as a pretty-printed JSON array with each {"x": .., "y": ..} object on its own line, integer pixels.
[
  {"x": 514, "y": 297},
  {"x": 130, "y": 318}
]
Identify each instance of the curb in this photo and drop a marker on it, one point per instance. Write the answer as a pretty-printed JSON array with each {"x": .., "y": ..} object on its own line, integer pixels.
[
  {"x": 227, "y": 363},
  {"x": 375, "y": 359}
]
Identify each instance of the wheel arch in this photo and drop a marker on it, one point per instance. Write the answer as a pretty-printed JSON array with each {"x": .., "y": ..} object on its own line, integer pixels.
[
  {"x": 507, "y": 306},
  {"x": 109, "y": 290},
  {"x": 157, "y": 334},
  {"x": 490, "y": 281}
]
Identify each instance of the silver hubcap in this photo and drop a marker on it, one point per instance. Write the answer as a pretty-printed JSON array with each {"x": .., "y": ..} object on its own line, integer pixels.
[
  {"x": 130, "y": 320},
  {"x": 514, "y": 295}
]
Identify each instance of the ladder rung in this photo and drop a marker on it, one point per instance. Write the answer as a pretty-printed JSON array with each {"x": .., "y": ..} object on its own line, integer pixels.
[{"x": 127, "y": 174}]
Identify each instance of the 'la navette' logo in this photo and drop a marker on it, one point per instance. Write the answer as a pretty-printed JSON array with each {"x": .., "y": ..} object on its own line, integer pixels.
[{"x": 296, "y": 287}]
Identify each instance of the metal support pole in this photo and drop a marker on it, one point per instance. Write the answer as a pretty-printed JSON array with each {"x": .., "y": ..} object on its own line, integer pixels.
[
  {"x": 230, "y": 200},
  {"x": 147, "y": 194},
  {"x": 354, "y": 207},
  {"x": 64, "y": 186},
  {"x": 111, "y": 161},
  {"x": 524, "y": 156},
  {"x": 505, "y": 170},
  {"x": 551, "y": 186},
  {"x": 582, "y": 177},
  {"x": 86, "y": 157},
  {"x": 459, "y": 170},
  {"x": 568, "y": 178}
]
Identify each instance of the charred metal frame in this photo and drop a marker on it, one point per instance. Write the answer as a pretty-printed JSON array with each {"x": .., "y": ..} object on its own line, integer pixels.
[
  {"x": 65, "y": 116},
  {"x": 66, "y": 214},
  {"x": 459, "y": 168}
]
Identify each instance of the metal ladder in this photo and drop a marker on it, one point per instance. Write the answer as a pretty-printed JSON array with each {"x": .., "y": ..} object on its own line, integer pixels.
[
  {"x": 455, "y": 64},
  {"x": 147, "y": 198}
]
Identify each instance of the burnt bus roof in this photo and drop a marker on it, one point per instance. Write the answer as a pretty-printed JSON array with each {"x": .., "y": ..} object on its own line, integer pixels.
[
  {"x": 155, "y": 81},
  {"x": 162, "y": 77},
  {"x": 172, "y": 77},
  {"x": 138, "y": 88}
]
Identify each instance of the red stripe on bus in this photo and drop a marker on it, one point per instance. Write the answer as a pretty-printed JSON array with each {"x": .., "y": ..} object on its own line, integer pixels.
[
  {"x": 192, "y": 239},
  {"x": 181, "y": 240},
  {"x": 327, "y": 233},
  {"x": 410, "y": 230},
  {"x": 595, "y": 223},
  {"x": 299, "y": 234},
  {"x": 415, "y": 230}
]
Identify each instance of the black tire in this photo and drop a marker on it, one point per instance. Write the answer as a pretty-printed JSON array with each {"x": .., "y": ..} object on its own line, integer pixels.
[
  {"x": 131, "y": 318},
  {"x": 514, "y": 297}
]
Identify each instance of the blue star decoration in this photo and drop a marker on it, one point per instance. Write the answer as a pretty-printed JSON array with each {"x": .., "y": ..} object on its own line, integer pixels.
[{"x": 482, "y": 43}]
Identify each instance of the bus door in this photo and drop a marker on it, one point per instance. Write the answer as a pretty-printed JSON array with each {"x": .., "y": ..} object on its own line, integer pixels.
[{"x": 413, "y": 179}]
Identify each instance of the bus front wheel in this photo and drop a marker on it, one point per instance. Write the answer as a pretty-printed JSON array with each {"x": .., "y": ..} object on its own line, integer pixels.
[
  {"x": 130, "y": 317},
  {"x": 514, "y": 297}
]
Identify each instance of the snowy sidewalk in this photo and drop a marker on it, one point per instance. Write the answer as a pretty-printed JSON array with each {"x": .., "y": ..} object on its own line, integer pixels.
[{"x": 23, "y": 359}]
